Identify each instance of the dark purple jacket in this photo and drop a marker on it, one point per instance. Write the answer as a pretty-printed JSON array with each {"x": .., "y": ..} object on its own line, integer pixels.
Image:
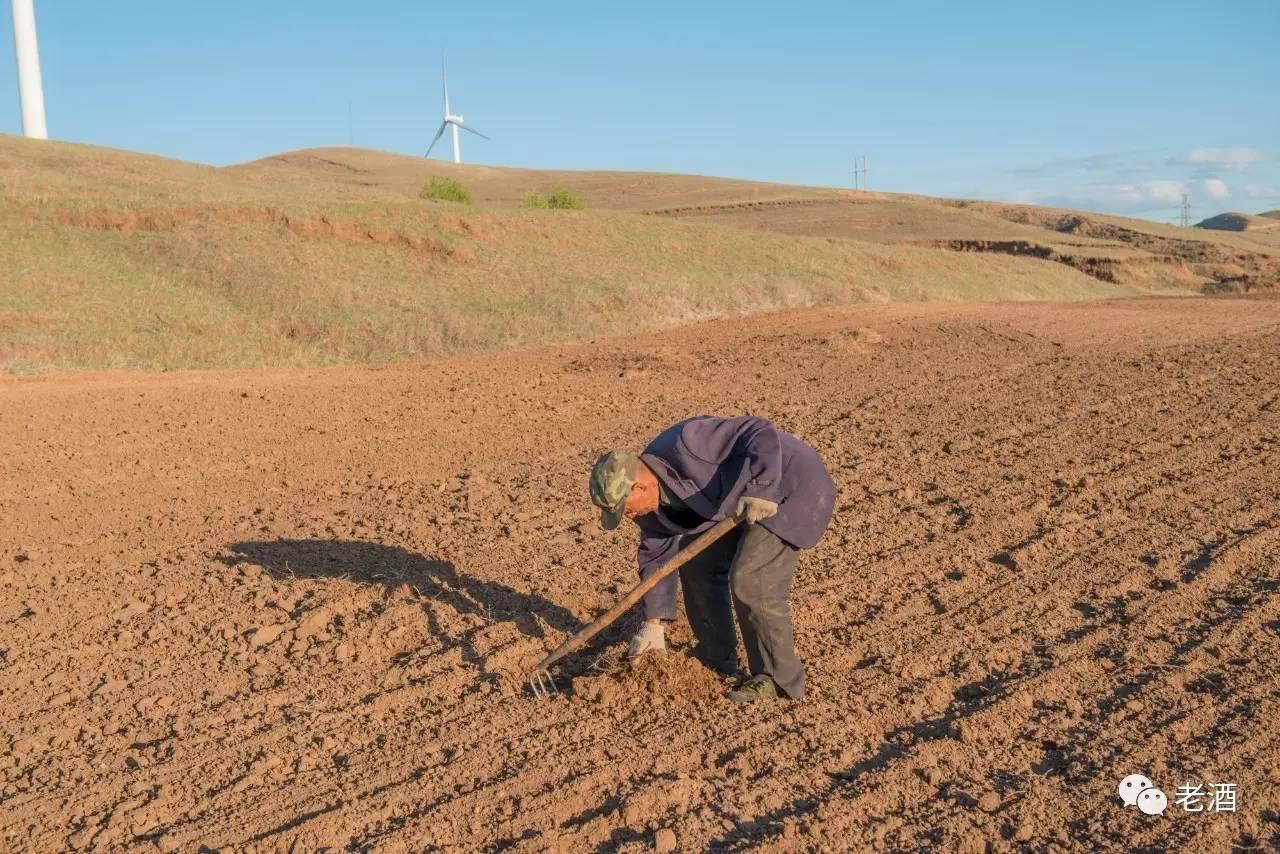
[{"x": 709, "y": 463}]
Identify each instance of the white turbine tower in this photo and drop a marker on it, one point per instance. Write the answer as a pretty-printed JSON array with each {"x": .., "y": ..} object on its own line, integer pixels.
[
  {"x": 450, "y": 120},
  {"x": 30, "y": 90}
]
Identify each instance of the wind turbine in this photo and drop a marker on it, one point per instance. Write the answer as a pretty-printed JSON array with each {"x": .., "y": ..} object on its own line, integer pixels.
[
  {"x": 450, "y": 120},
  {"x": 30, "y": 90}
]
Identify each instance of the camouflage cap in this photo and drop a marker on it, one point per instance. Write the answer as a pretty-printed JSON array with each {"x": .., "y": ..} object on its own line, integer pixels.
[{"x": 612, "y": 477}]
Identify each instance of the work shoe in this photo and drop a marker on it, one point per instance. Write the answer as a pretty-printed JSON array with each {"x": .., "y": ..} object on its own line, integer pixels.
[
  {"x": 756, "y": 688},
  {"x": 729, "y": 673}
]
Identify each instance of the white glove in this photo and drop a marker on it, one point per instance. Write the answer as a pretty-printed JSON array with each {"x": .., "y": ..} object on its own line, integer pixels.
[
  {"x": 652, "y": 637},
  {"x": 756, "y": 509}
]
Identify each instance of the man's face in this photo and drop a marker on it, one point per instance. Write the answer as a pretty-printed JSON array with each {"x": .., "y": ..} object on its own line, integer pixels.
[{"x": 644, "y": 495}]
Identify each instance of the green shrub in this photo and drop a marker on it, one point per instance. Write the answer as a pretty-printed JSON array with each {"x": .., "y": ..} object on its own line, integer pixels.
[
  {"x": 564, "y": 200},
  {"x": 560, "y": 200},
  {"x": 446, "y": 190}
]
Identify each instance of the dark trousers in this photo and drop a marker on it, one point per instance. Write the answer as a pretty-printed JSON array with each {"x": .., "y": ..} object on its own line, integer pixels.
[{"x": 749, "y": 571}]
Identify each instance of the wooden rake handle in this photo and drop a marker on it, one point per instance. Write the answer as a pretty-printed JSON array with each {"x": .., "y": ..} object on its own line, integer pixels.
[{"x": 684, "y": 556}]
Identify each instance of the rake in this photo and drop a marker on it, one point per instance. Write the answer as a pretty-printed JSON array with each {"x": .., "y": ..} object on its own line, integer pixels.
[{"x": 541, "y": 680}]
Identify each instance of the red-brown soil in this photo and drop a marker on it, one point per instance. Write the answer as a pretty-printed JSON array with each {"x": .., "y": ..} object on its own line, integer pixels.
[{"x": 292, "y": 609}]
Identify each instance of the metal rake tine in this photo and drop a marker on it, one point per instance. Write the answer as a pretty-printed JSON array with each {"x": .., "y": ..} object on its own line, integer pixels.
[{"x": 542, "y": 683}]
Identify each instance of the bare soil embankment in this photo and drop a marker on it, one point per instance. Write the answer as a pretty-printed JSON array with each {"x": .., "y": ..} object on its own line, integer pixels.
[{"x": 1146, "y": 256}]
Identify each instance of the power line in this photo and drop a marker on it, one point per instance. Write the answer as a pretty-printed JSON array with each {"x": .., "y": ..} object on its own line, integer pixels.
[{"x": 1184, "y": 210}]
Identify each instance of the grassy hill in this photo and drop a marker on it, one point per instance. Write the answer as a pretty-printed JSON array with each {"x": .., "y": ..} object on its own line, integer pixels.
[
  {"x": 1239, "y": 222},
  {"x": 328, "y": 256}
]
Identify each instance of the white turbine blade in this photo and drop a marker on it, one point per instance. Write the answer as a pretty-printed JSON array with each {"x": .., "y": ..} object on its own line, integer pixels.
[
  {"x": 30, "y": 88},
  {"x": 444, "y": 76},
  {"x": 439, "y": 134},
  {"x": 470, "y": 129}
]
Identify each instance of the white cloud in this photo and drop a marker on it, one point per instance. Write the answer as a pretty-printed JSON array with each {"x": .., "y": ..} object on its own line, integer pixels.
[
  {"x": 1130, "y": 197},
  {"x": 1232, "y": 159},
  {"x": 1139, "y": 195},
  {"x": 1161, "y": 191},
  {"x": 1119, "y": 185},
  {"x": 1216, "y": 189}
]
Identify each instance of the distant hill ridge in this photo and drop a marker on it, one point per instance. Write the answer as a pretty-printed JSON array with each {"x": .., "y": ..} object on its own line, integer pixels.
[
  {"x": 1241, "y": 221},
  {"x": 329, "y": 256}
]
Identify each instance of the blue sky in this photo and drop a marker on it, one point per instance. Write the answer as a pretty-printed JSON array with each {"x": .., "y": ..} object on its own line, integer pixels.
[{"x": 1117, "y": 106}]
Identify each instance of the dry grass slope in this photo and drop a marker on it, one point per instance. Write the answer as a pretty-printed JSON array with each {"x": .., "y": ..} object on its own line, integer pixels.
[{"x": 329, "y": 256}]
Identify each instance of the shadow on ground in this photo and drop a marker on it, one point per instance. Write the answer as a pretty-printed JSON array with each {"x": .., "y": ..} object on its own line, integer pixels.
[{"x": 374, "y": 563}]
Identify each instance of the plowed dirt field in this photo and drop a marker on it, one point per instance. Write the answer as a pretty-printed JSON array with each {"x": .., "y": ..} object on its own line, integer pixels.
[{"x": 293, "y": 609}]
